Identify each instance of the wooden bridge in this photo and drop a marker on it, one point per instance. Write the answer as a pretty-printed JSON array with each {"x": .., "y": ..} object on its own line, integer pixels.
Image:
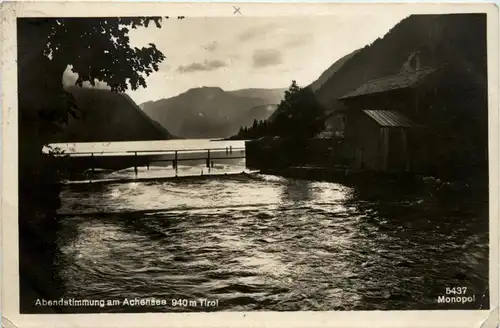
[{"x": 79, "y": 161}]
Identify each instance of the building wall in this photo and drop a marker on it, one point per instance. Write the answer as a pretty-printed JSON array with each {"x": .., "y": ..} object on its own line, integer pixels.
[
  {"x": 269, "y": 153},
  {"x": 398, "y": 153},
  {"x": 399, "y": 149},
  {"x": 362, "y": 141},
  {"x": 457, "y": 125},
  {"x": 372, "y": 147}
]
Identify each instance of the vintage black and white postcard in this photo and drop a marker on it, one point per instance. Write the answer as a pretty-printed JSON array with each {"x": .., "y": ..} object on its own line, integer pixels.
[{"x": 239, "y": 164}]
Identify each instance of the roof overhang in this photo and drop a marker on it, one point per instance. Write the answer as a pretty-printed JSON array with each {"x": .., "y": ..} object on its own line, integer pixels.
[
  {"x": 391, "y": 119},
  {"x": 404, "y": 80}
]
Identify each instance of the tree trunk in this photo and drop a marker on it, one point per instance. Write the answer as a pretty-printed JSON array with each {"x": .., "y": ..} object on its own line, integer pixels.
[
  {"x": 40, "y": 105},
  {"x": 40, "y": 92}
]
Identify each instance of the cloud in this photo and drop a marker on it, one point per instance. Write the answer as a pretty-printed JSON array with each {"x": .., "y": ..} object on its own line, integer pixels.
[
  {"x": 208, "y": 65},
  {"x": 234, "y": 57},
  {"x": 266, "y": 57},
  {"x": 297, "y": 40},
  {"x": 255, "y": 32}
]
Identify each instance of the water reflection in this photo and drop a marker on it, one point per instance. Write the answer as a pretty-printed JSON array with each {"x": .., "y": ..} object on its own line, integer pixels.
[
  {"x": 272, "y": 243},
  {"x": 296, "y": 191},
  {"x": 410, "y": 229}
]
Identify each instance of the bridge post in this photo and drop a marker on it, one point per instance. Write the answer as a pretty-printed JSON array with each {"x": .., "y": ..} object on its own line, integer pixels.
[
  {"x": 92, "y": 160},
  {"x": 135, "y": 164},
  {"x": 175, "y": 161}
]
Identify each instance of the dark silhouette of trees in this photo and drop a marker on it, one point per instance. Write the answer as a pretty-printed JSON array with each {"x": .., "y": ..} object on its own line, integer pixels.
[
  {"x": 98, "y": 49},
  {"x": 256, "y": 130},
  {"x": 298, "y": 116}
]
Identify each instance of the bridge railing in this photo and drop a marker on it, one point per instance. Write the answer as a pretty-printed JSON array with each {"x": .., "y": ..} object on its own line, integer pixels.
[
  {"x": 227, "y": 150},
  {"x": 138, "y": 158}
]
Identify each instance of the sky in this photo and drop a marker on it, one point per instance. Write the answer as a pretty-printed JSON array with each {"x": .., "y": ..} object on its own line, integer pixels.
[{"x": 252, "y": 52}]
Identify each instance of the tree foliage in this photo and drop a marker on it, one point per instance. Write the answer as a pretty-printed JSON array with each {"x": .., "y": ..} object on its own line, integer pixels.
[
  {"x": 256, "y": 130},
  {"x": 298, "y": 116},
  {"x": 102, "y": 50},
  {"x": 98, "y": 49}
]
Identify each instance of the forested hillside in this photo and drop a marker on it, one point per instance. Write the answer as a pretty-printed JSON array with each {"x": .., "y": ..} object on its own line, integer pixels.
[
  {"x": 454, "y": 39},
  {"x": 108, "y": 116}
]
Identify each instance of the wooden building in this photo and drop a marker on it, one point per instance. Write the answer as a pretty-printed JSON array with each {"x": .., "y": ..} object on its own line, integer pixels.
[
  {"x": 430, "y": 70},
  {"x": 381, "y": 140},
  {"x": 382, "y": 126},
  {"x": 415, "y": 121}
]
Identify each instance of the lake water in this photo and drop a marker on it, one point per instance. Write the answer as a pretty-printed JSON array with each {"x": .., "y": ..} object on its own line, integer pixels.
[{"x": 269, "y": 243}]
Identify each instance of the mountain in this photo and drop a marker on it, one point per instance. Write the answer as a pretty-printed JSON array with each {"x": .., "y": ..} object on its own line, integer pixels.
[
  {"x": 210, "y": 112},
  {"x": 109, "y": 116},
  {"x": 271, "y": 96},
  {"x": 458, "y": 40},
  {"x": 260, "y": 113},
  {"x": 330, "y": 71}
]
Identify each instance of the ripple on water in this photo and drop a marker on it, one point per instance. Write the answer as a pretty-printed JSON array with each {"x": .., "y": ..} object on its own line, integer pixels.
[{"x": 267, "y": 244}]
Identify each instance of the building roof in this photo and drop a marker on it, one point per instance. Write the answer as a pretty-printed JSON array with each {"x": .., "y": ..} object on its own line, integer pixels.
[
  {"x": 390, "y": 118},
  {"x": 394, "y": 82}
]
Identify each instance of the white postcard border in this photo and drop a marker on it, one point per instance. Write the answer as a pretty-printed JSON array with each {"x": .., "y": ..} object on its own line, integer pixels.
[{"x": 9, "y": 212}]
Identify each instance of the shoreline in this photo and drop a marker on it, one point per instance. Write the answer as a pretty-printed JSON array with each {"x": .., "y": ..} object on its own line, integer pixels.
[
  {"x": 358, "y": 178},
  {"x": 159, "y": 179}
]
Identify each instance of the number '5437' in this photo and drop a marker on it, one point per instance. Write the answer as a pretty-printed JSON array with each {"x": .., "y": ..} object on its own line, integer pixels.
[{"x": 456, "y": 290}]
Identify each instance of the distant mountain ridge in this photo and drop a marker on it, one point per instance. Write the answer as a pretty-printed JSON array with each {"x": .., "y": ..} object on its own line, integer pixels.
[
  {"x": 211, "y": 112},
  {"x": 271, "y": 96},
  {"x": 108, "y": 116}
]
